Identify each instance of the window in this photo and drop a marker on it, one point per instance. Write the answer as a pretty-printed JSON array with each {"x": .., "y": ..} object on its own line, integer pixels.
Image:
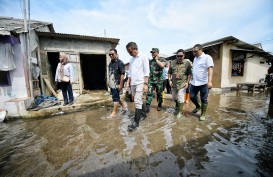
[
  {"x": 4, "y": 78},
  {"x": 238, "y": 58},
  {"x": 237, "y": 69}
]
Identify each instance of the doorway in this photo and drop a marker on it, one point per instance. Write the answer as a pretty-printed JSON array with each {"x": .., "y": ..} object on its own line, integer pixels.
[
  {"x": 93, "y": 68},
  {"x": 53, "y": 60}
]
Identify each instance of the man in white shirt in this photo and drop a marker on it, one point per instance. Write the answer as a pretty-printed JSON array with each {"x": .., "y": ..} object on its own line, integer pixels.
[
  {"x": 138, "y": 75},
  {"x": 202, "y": 71}
]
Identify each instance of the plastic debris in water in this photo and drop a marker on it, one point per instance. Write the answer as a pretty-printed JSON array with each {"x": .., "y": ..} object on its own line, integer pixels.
[
  {"x": 3, "y": 114},
  {"x": 59, "y": 113}
]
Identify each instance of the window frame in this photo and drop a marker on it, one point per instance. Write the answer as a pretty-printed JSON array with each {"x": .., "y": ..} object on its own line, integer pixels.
[{"x": 238, "y": 63}]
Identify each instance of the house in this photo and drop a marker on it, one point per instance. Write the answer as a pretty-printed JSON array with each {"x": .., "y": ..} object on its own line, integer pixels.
[
  {"x": 88, "y": 55},
  {"x": 25, "y": 73},
  {"x": 235, "y": 61},
  {"x": 126, "y": 66},
  {"x": 15, "y": 76}
]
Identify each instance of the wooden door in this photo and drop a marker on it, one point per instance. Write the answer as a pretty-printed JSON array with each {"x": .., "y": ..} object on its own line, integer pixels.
[{"x": 74, "y": 60}]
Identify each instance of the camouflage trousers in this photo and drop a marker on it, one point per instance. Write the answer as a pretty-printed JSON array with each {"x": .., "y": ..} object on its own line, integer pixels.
[{"x": 150, "y": 94}]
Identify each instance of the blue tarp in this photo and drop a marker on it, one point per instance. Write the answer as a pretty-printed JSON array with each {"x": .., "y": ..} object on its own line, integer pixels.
[{"x": 39, "y": 99}]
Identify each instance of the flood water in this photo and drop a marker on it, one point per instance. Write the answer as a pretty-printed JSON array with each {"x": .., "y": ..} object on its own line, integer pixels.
[{"x": 236, "y": 139}]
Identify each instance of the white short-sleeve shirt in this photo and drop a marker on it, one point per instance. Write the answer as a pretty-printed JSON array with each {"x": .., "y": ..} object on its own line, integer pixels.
[
  {"x": 138, "y": 69},
  {"x": 200, "y": 67}
]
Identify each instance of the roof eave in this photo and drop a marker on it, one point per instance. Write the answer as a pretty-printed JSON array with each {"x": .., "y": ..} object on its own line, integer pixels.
[{"x": 75, "y": 36}]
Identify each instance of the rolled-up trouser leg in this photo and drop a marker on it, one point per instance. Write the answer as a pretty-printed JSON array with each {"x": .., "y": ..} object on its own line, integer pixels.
[
  {"x": 137, "y": 92},
  {"x": 181, "y": 95}
]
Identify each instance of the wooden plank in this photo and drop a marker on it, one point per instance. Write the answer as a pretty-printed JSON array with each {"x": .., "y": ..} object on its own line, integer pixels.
[
  {"x": 50, "y": 88},
  {"x": 40, "y": 65},
  {"x": 74, "y": 61},
  {"x": 80, "y": 76}
]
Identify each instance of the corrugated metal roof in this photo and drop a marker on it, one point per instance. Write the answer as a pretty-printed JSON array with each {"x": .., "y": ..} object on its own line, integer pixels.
[
  {"x": 230, "y": 40},
  {"x": 75, "y": 36},
  {"x": 10, "y": 24},
  {"x": 234, "y": 41}
]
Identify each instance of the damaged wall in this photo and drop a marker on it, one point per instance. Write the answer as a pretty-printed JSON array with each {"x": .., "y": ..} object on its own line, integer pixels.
[
  {"x": 76, "y": 46},
  {"x": 17, "y": 88}
]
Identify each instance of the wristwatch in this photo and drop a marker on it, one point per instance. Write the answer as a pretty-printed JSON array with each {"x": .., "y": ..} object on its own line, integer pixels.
[{"x": 145, "y": 83}]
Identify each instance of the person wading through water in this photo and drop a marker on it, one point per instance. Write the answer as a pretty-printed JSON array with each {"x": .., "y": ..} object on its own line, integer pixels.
[
  {"x": 179, "y": 76},
  {"x": 138, "y": 80}
]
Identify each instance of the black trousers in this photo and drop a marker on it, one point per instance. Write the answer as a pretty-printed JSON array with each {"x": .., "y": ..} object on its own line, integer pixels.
[
  {"x": 66, "y": 87},
  {"x": 166, "y": 85}
]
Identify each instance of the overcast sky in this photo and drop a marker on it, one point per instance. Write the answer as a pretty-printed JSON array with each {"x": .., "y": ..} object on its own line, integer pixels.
[{"x": 166, "y": 24}]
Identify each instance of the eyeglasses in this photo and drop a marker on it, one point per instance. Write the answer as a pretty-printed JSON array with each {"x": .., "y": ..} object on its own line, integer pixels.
[
  {"x": 152, "y": 52},
  {"x": 179, "y": 56},
  {"x": 111, "y": 54}
]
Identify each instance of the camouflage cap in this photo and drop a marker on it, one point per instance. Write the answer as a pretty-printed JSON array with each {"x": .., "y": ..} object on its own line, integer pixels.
[{"x": 155, "y": 50}]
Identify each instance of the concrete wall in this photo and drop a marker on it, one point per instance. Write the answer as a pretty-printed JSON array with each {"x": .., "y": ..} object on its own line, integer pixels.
[
  {"x": 253, "y": 70},
  {"x": 76, "y": 46},
  {"x": 126, "y": 67},
  {"x": 215, "y": 53},
  {"x": 226, "y": 65},
  {"x": 17, "y": 76},
  {"x": 227, "y": 79}
]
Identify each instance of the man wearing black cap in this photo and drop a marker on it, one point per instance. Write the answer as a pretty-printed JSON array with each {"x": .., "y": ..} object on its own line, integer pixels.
[
  {"x": 179, "y": 75},
  {"x": 155, "y": 79}
]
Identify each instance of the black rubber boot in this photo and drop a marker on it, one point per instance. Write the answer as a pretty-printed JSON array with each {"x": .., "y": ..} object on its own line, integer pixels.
[
  {"x": 176, "y": 105},
  {"x": 134, "y": 118},
  {"x": 65, "y": 103},
  {"x": 147, "y": 108},
  {"x": 143, "y": 112},
  {"x": 135, "y": 124},
  {"x": 159, "y": 106},
  {"x": 176, "y": 108}
]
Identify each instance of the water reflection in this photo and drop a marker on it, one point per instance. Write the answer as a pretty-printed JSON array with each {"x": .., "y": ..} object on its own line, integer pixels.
[{"x": 235, "y": 140}]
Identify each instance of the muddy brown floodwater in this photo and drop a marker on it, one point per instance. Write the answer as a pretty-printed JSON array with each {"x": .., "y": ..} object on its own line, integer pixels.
[{"x": 235, "y": 140}]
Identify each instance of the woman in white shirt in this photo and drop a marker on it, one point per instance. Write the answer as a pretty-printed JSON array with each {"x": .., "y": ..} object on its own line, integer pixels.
[{"x": 64, "y": 77}]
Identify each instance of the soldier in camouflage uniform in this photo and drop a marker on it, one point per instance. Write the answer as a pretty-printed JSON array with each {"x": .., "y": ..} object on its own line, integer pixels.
[
  {"x": 157, "y": 65},
  {"x": 179, "y": 76}
]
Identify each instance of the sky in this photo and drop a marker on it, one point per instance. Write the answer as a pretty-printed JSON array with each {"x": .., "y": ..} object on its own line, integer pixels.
[{"x": 166, "y": 24}]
